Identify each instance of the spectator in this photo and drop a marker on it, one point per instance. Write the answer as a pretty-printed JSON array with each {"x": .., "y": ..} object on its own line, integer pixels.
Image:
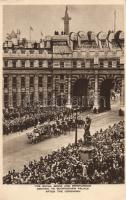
[{"x": 64, "y": 166}]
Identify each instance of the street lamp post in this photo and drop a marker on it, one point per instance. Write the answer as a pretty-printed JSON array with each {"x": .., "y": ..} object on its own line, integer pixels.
[
  {"x": 76, "y": 119},
  {"x": 76, "y": 128}
]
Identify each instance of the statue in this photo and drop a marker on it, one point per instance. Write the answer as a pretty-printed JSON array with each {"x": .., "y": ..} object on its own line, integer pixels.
[
  {"x": 87, "y": 136},
  {"x": 86, "y": 151}
]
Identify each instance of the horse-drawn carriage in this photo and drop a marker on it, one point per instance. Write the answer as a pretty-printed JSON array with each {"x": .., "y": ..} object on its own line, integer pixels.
[
  {"x": 38, "y": 134},
  {"x": 51, "y": 129}
]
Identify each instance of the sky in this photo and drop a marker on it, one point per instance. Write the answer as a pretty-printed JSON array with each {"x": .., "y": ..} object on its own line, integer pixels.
[{"x": 48, "y": 18}]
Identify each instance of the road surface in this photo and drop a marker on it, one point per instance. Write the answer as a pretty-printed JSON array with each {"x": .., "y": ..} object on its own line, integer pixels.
[{"x": 17, "y": 151}]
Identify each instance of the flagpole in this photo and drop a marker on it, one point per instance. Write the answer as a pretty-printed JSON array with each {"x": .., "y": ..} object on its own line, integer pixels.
[
  {"x": 30, "y": 34},
  {"x": 41, "y": 35},
  {"x": 114, "y": 21}
]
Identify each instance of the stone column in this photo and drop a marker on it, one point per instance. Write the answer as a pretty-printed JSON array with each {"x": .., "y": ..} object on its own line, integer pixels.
[
  {"x": 36, "y": 89},
  {"x": 10, "y": 92},
  {"x": 45, "y": 90},
  {"x": 27, "y": 96},
  {"x": 18, "y": 90},
  {"x": 96, "y": 96},
  {"x": 68, "y": 104},
  {"x": 122, "y": 96}
]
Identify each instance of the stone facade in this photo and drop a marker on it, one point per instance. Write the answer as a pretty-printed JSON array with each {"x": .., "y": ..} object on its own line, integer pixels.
[{"x": 35, "y": 72}]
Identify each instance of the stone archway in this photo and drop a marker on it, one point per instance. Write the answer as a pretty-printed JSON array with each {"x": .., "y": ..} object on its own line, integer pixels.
[
  {"x": 80, "y": 93},
  {"x": 105, "y": 94}
]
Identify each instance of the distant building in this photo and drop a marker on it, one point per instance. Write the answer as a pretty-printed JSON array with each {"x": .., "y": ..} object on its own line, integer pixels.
[{"x": 62, "y": 67}]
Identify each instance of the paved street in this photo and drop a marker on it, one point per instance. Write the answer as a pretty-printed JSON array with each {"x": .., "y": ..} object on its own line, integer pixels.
[{"x": 17, "y": 151}]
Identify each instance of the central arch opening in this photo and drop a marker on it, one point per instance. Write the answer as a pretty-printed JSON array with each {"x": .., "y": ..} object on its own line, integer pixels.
[
  {"x": 80, "y": 93},
  {"x": 105, "y": 94}
]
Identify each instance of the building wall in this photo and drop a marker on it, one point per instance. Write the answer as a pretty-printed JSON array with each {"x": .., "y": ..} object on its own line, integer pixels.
[{"x": 34, "y": 75}]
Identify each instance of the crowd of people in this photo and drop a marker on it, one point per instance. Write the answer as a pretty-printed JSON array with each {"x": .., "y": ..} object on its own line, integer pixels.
[
  {"x": 21, "y": 119},
  {"x": 64, "y": 166}
]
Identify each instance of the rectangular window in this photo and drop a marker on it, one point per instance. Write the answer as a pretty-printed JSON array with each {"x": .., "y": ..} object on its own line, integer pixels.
[
  {"x": 40, "y": 81},
  {"x": 83, "y": 64},
  {"x": 14, "y": 51},
  {"x": 14, "y": 82},
  {"x": 31, "y": 98},
  {"x": 101, "y": 63},
  {"x": 106, "y": 63},
  {"x": 61, "y": 77},
  {"x": 40, "y": 51},
  {"x": 5, "y": 82},
  {"x": 61, "y": 87},
  {"x": 49, "y": 101},
  {"x": 31, "y": 51},
  {"x": 31, "y": 64},
  {"x": 88, "y": 63},
  {"x": 14, "y": 99},
  {"x": 114, "y": 63},
  {"x": 49, "y": 81},
  {"x": 40, "y": 63},
  {"x": 110, "y": 64},
  {"x": 22, "y": 51},
  {"x": 23, "y": 99},
  {"x": 49, "y": 64},
  {"x": 74, "y": 64},
  {"x": 5, "y": 63},
  {"x": 61, "y": 64},
  {"x": 6, "y": 100},
  {"x": 40, "y": 98},
  {"x": 31, "y": 81},
  {"x": 23, "y": 64},
  {"x": 92, "y": 62},
  {"x": 5, "y": 50},
  {"x": 118, "y": 63},
  {"x": 22, "y": 82},
  {"x": 14, "y": 63}
]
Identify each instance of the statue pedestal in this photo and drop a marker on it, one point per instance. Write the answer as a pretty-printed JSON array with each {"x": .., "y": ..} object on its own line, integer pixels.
[{"x": 85, "y": 153}]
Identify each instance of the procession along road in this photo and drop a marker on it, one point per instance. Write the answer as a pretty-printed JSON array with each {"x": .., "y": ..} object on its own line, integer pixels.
[{"x": 17, "y": 151}]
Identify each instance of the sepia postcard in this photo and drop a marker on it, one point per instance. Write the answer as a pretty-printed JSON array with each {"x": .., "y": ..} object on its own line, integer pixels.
[{"x": 62, "y": 100}]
